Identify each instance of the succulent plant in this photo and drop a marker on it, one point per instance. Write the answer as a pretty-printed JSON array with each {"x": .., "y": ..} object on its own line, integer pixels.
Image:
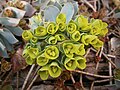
[{"x": 61, "y": 39}]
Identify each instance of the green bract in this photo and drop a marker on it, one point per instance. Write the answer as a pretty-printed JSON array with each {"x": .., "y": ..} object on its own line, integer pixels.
[
  {"x": 40, "y": 31},
  {"x": 71, "y": 27},
  {"x": 79, "y": 49},
  {"x": 30, "y": 60},
  {"x": 43, "y": 72},
  {"x": 76, "y": 36},
  {"x": 61, "y": 18},
  {"x": 62, "y": 26},
  {"x": 82, "y": 23},
  {"x": 51, "y": 52},
  {"x": 60, "y": 37},
  {"x": 42, "y": 60},
  {"x": 86, "y": 39},
  {"x": 54, "y": 70},
  {"x": 52, "y": 40},
  {"x": 27, "y": 35},
  {"x": 68, "y": 49},
  {"x": 70, "y": 63},
  {"x": 52, "y": 28},
  {"x": 81, "y": 62},
  {"x": 61, "y": 42}
]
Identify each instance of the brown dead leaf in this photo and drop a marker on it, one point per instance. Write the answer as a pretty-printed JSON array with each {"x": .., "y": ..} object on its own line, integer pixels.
[
  {"x": 5, "y": 66},
  {"x": 18, "y": 62}
]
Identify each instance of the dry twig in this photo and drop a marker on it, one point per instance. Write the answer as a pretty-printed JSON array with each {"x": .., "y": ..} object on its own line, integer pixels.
[
  {"x": 90, "y": 74},
  {"x": 25, "y": 82}
]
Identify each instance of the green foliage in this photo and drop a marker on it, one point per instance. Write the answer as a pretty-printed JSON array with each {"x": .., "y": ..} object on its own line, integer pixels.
[{"x": 61, "y": 39}]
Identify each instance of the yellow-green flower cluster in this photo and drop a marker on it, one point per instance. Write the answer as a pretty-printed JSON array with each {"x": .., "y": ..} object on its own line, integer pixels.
[{"x": 56, "y": 46}]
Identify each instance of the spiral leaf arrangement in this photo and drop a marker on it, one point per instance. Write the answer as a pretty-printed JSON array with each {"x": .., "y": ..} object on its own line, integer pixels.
[{"x": 58, "y": 46}]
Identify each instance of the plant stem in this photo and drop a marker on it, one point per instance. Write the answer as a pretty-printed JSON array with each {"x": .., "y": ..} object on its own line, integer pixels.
[{"x": 25, "y": 82}]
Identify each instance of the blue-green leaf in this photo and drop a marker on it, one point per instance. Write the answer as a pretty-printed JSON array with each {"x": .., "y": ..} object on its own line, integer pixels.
[
  {"x": 8, "y": 36},
  {"x": 75, "y": 4},
  {"x": 9, "y": 21},
  {"x": 3, "y": 52},
  {"x": 28, "y": 8},
  {"x": 6, "y": 43},
  {"x": 18, "y": 13},
  {"x": 58, "y": 5},
  {"x": 15, "y": 30},
  {"x": 68, "y": 10},
  {"x": 51, "y": 13}
]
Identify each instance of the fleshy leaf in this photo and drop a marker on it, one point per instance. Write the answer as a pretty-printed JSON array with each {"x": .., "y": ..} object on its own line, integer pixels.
[
  {"x": 80, "y": 50},
  {"x": 42, "y": 60},
  {"x": 43, "y": 72},
  {"x": 15, "y": 30},
  {"x": 75, "y": 4},
  {"x": 68, "y": 10},
  {"x": 51, "y": 52},
  {"x": 8, "y": 36},
  {"x": 40, "y": 31},
  {"x": 7, "y": 45},
  {"x": 3, "y": 52},
  {"x": 54, "y": 70},
  {"x": 76, "y": 36},
  {"x": 50, "y": 13},
  {"x": 81, "y": 62},
  {"x": 18, "y": 13},
  {"x": 30, "y": 10},
  {"x": 9, "y": 21},
  {"x": 70, "y": 64},
  {"x": 52, "y": 28},
  {"x": 27, "y": 35}
]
